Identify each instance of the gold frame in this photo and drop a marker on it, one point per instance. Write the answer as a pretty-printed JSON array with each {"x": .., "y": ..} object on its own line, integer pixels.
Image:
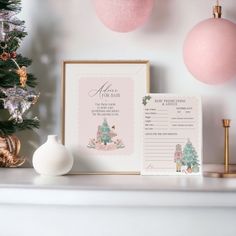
[{"x": 63, "y": 102}]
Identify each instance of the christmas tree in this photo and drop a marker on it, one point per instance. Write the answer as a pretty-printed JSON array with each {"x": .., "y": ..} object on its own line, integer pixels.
[
  {"x": 105, "y": 132},
  {"x": 16, "y": 94},
  {"x": 105, "y": 138},
  {"x": 190, "y": 157}
]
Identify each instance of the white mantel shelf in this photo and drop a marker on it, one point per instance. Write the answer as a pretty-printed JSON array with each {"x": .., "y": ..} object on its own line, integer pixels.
[{"x": 24, "y": 186}]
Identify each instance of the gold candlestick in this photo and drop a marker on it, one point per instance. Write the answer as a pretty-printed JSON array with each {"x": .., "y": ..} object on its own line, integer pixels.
[
  {"x": 226, "y": 172},
  {"x": 226, "y": 125}
]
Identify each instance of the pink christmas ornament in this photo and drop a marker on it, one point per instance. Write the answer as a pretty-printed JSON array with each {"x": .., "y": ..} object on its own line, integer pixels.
[
  {"x": 210, "y": 50},
  {"x": 123, "y": 15}
]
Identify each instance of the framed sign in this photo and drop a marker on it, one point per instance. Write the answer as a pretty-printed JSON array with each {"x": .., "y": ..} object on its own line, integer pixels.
[{"x": 102, "y": 114}]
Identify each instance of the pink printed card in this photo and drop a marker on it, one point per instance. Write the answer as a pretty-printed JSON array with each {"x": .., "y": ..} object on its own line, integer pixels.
[{"x": 108, "y": 114}]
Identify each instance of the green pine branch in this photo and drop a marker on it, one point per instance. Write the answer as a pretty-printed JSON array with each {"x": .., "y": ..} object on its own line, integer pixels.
[
  {"x": 9, "y": 127},
  {"x": 10, "y": 79},
  {"x": 8, "y": 75},
  {"x": 14, "y": 39},
  {"x": 31, "y": 81},
  {"x": 23, "y": 61},
  {"x": 9, "y": 64},
  {"x": 10, "y": 5}
]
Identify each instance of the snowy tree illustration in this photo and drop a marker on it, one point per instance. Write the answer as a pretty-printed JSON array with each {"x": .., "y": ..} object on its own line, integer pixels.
[
  {"x": 105, "y": 138},
  {"x": 105, "y": 130},
  {"x": 190, "y": 158}
]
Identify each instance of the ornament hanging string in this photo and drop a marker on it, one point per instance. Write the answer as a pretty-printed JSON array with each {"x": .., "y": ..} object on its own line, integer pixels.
[{"x": 217, "y": 10}]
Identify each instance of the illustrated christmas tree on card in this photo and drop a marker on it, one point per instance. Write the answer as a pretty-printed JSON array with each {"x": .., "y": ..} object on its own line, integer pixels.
[
  {"x": 104, "y": 133},
  {"x": 187, "y": 160},
  {"x": 105, "y": 140},
  {"x": 190, "y": 158}
]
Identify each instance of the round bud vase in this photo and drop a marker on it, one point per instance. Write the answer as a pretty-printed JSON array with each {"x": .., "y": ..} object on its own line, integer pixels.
[{"x": 52, "y": 158}]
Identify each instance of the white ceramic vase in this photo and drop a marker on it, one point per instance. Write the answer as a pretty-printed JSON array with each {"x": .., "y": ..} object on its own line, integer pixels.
[{"x": 52, "y": 158}]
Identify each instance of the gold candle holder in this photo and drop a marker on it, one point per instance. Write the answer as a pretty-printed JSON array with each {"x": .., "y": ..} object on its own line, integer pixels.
[{"x": 225, "y": 172}]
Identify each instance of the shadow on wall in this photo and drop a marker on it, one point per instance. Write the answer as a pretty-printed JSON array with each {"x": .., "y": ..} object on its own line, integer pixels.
[
  {"x": 159, "y": 19},
  {"x": 213, "y": 131},
  {"x": 158, "y": 79},
  {"x": 229, "y": 13},
  {"x": 45, "y": 66},
  {"x": 231, "y": 108}
]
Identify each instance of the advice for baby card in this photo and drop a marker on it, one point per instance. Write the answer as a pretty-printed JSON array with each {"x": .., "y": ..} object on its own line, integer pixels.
[{"x": 172, "y": 135}]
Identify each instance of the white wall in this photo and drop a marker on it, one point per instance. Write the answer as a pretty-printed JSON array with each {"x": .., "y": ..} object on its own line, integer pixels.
[{"x": 60, "y": 30}]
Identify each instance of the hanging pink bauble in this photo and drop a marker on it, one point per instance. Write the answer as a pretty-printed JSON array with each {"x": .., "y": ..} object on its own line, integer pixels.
[
  {"x": 123, "y": 15},
  {"x": 210, "y": 51}
]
